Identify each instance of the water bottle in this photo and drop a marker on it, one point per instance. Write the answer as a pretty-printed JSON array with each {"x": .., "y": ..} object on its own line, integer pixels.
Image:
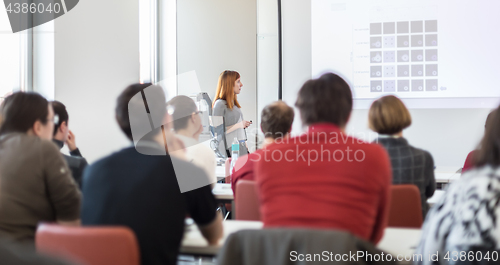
[{"x": 235, "y": 152}]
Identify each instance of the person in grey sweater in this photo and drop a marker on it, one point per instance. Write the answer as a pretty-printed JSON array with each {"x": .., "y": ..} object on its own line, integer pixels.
[
  {"x": 388, "y": 116},
  {"x": 226, "y": 105},
  {"x": 35, "y": 181}
]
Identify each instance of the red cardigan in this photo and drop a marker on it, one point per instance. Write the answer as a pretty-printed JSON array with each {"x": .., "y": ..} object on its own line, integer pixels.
[
  {"x": 469, "y": 161},
  {"x": 350, "y": 193}
]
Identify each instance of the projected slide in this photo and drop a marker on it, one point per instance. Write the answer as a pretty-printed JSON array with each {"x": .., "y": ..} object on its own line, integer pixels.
[
  {"x": 412, "y": 48},
  {"x": 394, "y": 53}
]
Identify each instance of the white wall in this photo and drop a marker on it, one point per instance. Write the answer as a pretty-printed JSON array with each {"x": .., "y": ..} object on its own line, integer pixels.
[
  {"x": 218, "y": 35},
  {"x": 449, "y": 134},
  {"x": 96, "y": 57},
  {"x": 267, "y": 56},
  {"x": 43, "y": 60},
  {"x": 296, "y": 51}
]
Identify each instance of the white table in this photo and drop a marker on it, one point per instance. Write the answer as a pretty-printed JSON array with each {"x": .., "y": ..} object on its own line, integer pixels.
[
  {"x": 446, "y": 174},
  {"x": 400, "y": 241},
  {"x": 436, "y": 197},
  {"x": 395, "y": 241},
  {"x": 193, "y": 242},
  {"x": 220, "y": 172},
  {"x": 223, "y": 192}
]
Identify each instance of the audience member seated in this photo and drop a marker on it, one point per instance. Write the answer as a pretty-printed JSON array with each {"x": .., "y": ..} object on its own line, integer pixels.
[
  {"x": 188, "y": 127},
  {"x": 469, "y": 161},
  {"x": 388, "y": 116},
  {"x": 325, "y": 178},
  {"x": 276, "y": 124},
  {"x": 36, "y": 184},
  {"x": 63, "y": 135},
  {"x": 141, "y": 191},
  {"x": 465, "y": 219}
]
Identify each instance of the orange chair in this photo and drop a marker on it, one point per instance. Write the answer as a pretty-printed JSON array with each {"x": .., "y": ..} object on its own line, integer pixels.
[
  {"x": 89, "y": 245},
  {"x": 405, "y": 209},
  {"x": 247, "y": 201}
]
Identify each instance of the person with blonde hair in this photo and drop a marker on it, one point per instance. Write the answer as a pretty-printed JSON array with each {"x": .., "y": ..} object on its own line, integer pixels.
[
  {"x": 226, "y": 104},
  {"x": 388, "y": 116}
]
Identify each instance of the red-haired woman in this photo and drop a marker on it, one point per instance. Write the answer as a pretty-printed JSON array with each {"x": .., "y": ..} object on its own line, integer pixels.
[{"x": 226, "y": 104}]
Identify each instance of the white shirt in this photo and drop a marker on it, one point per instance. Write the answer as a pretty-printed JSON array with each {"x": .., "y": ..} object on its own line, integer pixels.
[{"x": 200, "y": 155}]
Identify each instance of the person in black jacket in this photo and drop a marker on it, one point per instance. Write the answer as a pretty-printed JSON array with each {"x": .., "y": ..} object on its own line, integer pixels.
[
  {"x": 145, "y": 187},
  {"x": 62, "y": 135},
  {"x": 388, "y": 116}
]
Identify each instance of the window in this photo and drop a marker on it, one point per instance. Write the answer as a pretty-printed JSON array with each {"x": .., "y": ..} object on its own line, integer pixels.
[
  {"x": 147, "y": 41},
  {"x": 158, "y": 44},
  {"x": 14, "y": 70}
]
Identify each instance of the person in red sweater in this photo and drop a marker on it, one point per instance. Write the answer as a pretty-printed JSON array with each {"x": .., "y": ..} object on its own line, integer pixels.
[
  {"x": 324, "y": 178},
  {"x": 276, "y": 124}
]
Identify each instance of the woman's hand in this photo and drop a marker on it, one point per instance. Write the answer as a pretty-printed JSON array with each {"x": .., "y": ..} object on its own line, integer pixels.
[
  {"x": 240, "y": 125},
  {"x": 245, "y": 124}
]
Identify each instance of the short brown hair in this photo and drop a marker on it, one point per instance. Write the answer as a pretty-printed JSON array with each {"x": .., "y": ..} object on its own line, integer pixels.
[
  {"x": 59, "y": 110},
  {"x": 276, "y": 119},
  {"x": 126, "y": 103},
  {"x": 21, "y": 110},
  {"x": 326, "y": 99},
  {"x": 388, "y": 115}
]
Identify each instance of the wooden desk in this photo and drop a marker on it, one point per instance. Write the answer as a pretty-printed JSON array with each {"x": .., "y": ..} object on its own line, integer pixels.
[{"x": 193, "y": 242}]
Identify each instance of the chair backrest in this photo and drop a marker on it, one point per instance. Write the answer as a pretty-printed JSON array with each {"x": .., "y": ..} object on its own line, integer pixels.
[
  {"x": 227, "y": 165},
  {"x": 272, "y": 246},
  {"x": 406, "y": 207},
  {"x": 246, "y": 200},
  {"x": 89, "y": 245}
]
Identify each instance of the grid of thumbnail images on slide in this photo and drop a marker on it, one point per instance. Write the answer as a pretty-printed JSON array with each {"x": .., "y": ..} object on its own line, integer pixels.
[{"x": 404, "y": 56}]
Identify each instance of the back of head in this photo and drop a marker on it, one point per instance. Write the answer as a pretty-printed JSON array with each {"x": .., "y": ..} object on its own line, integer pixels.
[
  {"x": 225, "y": 88},
  {"x": 276, "y": 119},
  {"x": 326, "y": 99},
  {"x": 183, "y": 108},
  {"x": 388, "y": 115},
  {"x": 21, "y": 110},
  {"x": 131, "y": 110},
  {"x": 60, "y": 111},
  {"x": 489, "y": 152}
]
